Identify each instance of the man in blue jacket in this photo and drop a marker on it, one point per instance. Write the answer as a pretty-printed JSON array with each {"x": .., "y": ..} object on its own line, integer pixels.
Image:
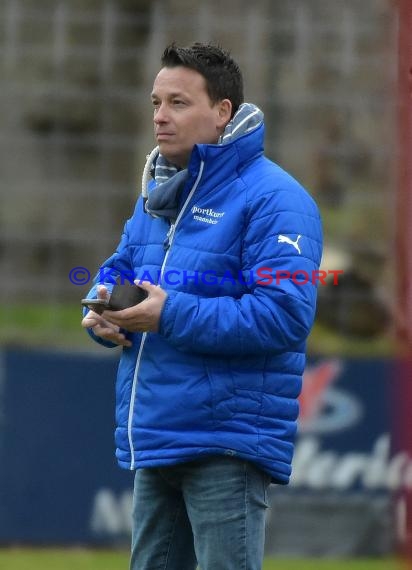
[{"x": 227, "y": 246}]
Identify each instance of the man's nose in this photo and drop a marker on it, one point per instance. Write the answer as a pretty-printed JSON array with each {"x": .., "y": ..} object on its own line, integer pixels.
[{"x": 160, "y": 114}]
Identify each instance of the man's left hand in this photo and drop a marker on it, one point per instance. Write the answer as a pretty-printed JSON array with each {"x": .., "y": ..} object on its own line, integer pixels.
[{"x": 143, "y": 317}]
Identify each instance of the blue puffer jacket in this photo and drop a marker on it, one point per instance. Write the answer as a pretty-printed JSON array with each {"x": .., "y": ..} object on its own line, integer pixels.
[{"x": 223, "y": 374}]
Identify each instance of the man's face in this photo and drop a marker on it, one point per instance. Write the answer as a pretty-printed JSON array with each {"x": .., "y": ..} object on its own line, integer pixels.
[{"x": 184, "y": 114}]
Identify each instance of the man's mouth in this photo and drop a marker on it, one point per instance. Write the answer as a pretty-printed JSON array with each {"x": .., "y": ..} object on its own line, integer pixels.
[{"x": 160, "y": 136}]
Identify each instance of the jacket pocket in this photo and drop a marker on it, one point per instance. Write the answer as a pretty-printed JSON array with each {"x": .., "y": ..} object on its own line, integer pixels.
[{"x": 222, "y": 387}]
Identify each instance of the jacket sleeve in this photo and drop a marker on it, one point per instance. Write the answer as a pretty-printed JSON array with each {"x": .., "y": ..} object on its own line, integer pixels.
[
  {"x": 277, "y": 313},
  {"x": 117, "y": 265}
]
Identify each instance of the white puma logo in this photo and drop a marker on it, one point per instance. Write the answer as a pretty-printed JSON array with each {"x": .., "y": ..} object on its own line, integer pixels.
[{"x": 285, "y": 239}]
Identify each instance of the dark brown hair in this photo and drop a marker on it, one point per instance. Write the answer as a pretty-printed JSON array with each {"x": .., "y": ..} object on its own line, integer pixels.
[{"x": 222, "y": 74}]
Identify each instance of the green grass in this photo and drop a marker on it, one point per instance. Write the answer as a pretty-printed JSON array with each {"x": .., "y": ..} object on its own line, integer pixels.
[
  {"x": 58, "y": 326},
  {"x": 43, "y": 325},
  {"x": 322, "y": 340},
  {"x": 79, "y": 559}
]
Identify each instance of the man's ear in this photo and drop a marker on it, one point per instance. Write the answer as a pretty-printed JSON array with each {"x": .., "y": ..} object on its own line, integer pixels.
[{"x": 225, "y": 112}]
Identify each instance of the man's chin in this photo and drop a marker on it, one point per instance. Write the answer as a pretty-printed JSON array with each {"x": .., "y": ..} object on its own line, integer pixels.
[{"x": 173, "y": 158}]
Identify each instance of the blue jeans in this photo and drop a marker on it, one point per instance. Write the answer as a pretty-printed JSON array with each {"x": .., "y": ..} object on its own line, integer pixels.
[{"x": 210, "y": 512}]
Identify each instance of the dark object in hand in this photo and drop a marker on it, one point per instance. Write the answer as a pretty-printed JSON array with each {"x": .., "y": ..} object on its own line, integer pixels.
[{"x": 123, "y": 296}]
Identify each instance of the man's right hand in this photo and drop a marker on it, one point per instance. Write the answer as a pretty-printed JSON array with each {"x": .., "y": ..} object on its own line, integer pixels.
[{"x": 101, "y": 327}]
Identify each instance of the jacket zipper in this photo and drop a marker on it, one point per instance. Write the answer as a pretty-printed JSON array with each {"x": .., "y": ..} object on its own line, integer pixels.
[{"x": 169, "y": 240}]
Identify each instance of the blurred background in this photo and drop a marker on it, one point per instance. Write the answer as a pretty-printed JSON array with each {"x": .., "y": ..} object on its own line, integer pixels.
[{"x": 75, "y": 127}]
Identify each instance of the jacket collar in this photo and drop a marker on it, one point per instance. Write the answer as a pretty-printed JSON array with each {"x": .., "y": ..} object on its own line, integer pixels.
[{"x": 223, "y": 160}]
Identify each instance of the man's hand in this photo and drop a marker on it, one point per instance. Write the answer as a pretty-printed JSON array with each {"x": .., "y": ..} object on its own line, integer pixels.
[
  {"x": 101, "y": 327},
  {"x": 143, "y": 317}
]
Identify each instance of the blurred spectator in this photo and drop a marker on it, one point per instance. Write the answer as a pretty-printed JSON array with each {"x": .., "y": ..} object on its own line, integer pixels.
[{"x": 356, "y": 305}]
